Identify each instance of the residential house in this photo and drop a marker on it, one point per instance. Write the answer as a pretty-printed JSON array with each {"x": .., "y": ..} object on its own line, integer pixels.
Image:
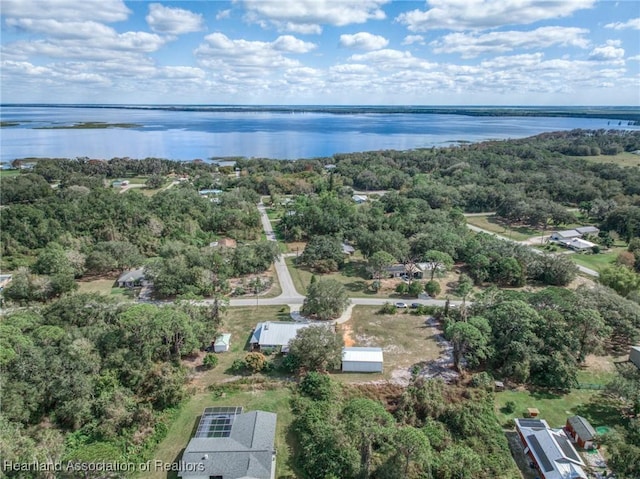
[
  {"x": 581, "y": 432},
  {"x": 231, "y": 444},
  {"x": 634, "y": 355},
  {"x": 359, "y": 199},
  {"x": 224, "y": 243},
  {"x": 347, "y": 249},
  {"x": 222, "y": 343},
  {"x": 275, "y": 334},
  {"x": 131, "y": 278},
  {"x": 566, "y": 235},
  {"x": 578, "y": 244},
  {"x": 362, "y": 360},
  {"x": 550, "y": 450},
  {"x": 399, "y": 270},
  {"x": 588, "y": 230}
]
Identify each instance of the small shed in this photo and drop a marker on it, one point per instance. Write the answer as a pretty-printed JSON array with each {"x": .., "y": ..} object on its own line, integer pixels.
[
  {"x": 634, "y": 355},
  {"x": 581, "y": 431},
  {"x": 533, "y": 412},
  {"x": 362, "y": 360},
  {"x": 222, "y": 343}
]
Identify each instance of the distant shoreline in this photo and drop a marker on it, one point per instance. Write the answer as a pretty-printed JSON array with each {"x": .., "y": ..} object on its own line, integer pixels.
[{"x": 622, "y": 113}]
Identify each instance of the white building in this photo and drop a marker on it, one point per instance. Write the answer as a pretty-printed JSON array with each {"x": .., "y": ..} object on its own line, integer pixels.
[
  {"x": 275, "y": 334},
  {"x": 362, "y": 360},
  {"x": 222, "y": 343}
]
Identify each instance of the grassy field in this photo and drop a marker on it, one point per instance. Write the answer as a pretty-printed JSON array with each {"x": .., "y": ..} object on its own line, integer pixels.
[
  {"x": 181, "y": 430},
  {"x": 597, "y": 261},
  {"x": 104, "y": 286},
  {"x": 490, "y": 223},
  {"x": 6, "y": 173},
  {"x": 404, "y": 338},
  {"x": 622, "y": 159}
]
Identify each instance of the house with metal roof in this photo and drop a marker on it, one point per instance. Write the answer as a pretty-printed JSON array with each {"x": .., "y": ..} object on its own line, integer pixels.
[
  {"x": 362, "y": 360},
  {"x": 131, "y": 278},
  {"x": 566, "y": 235},
  {"x": 231, "y": 444},
  {"x": 588, "y": 230},
  {"x": 550, "y": 450},
  {"x": 275, "y": 334},
  {"x": 581, "y": 432}
]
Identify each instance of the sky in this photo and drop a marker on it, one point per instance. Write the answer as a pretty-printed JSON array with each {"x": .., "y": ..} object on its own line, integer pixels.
[{"x": 321, "y": 52}]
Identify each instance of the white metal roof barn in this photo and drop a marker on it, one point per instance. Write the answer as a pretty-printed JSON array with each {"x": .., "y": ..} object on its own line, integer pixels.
[{"x": 362, "y": 360}]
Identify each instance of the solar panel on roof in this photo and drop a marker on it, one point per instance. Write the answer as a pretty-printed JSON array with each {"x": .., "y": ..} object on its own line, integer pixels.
[
  {"x": 531, "y": 423},
  {"x": 567, "y": 448},
  {"x": 217, "y": 421},
  {"x": 544, "y": 460}
]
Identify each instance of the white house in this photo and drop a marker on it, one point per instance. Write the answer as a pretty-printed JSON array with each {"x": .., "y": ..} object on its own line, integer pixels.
[
  {"x": 275, "y": 334},
  {"x": 578, "y": 244},
  {"x": 566, "y": 235},
  {"x": 222, "y": 343},
  {"x": 634, "y": 355},
  {"x": 362, "y": 360}
]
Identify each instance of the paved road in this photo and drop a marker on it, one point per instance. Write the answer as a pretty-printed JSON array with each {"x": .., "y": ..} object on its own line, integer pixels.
[
  {"x": 289, "y": 294},
  {"x": 583, "y": 269}
]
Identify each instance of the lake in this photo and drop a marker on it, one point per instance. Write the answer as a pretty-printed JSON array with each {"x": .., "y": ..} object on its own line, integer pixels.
[{"x": 188, "y": 134}]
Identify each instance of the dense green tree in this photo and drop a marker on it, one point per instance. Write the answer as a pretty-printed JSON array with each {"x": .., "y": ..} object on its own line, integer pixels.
[
  {"x": 377, "y": 264},
  {"x": 326, "y": 299},
  {"x": 316, "y": 348},
  {"x": 621, "y": 279},
  {"x": 323, "y": 254}
]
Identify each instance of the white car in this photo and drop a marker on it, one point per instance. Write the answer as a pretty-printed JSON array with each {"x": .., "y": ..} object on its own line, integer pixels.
[{"x": 401, "y": 305}]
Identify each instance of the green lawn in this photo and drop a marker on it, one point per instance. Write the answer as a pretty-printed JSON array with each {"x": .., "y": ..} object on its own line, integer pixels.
[
  {"x": 5, "y": 173},
  {"x": 353, "y": 276},
  {"x": 597, "y": 261},
  {"x": 553, "y": 407},
  {"x": 621, "y": 159},
  {"x": 491, "y": 223},
  {"x": 275, "y": 400},
  {"x": 104, "y": 286}
]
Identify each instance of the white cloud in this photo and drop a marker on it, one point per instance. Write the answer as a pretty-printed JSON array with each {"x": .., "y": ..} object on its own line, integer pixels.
[
  {"x": 485, "y": 14},
  {"x": 472, "y": 45},
  {"x": 308, "y": 16},
  {"x": 634, "y": 24},
  {"x": 363, "y": 41},
  {"x": 635, "y": 58},
  {"x": 67, "y": 10},
  {"x": 391, "y": 59},
  {"x": 173, "y": 21},
  {"x": 290, "y": 44},
  {"x": 609, "y": 52},
  {"x": 223, "y": 14},
  {"x": 57, "y": 29},
  {"x": 243, "y": 57},
  {"x": 411, "y": 39}
]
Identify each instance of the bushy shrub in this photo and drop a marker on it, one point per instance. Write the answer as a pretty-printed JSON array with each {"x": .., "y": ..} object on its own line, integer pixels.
[
  {"x": 210, "y": 361},
  {"x": 388, "y": 308}
]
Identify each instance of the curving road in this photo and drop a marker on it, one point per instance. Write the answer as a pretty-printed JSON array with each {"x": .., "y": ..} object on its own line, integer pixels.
[
  {"x": 291, "y": 297},
  {"x": 583, "y": 269}
]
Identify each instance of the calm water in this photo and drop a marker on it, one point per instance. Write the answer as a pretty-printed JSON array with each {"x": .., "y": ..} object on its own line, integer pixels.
[{"x": 186, "y": 135}]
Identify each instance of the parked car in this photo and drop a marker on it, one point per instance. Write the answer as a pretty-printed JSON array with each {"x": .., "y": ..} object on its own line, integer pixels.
[{"x": 401, "y": 305}]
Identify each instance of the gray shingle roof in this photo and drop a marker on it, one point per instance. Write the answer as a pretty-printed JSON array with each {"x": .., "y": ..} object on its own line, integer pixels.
[
  {"x": 247, "y": 452},
  {"x": 582, "y": 427},
  {"x": 131, "y": 276}
]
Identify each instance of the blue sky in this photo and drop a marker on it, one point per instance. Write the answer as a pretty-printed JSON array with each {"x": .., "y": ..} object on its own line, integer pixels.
[{"x": 435, "y": 52}]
